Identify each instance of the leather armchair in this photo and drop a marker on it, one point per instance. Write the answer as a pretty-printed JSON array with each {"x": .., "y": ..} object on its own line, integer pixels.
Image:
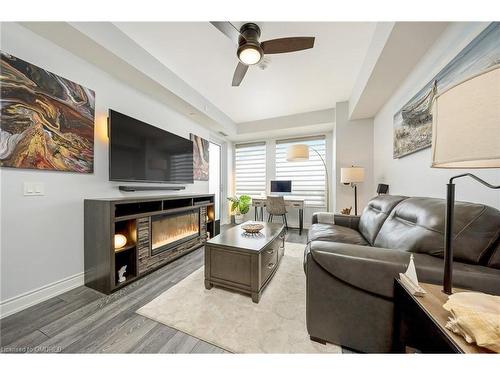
[{"x": 350, "y": 279}]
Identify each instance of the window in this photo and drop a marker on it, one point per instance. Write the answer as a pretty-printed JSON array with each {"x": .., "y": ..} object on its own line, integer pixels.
[
  {"x": 214, "y": 175},
  {"x": 250, "y": 168},
  {"x": 308, "y": 177}
]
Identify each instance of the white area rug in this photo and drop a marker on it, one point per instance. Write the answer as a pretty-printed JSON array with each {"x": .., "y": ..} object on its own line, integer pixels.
[{"x": 277, "y": 324}]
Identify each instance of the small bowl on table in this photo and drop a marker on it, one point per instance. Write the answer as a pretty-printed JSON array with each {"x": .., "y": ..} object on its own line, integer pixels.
[{"x": 252, "y": 228}]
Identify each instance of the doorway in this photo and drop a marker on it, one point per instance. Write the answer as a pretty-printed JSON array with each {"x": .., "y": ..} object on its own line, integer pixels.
[{"x": 215, "y": 180}]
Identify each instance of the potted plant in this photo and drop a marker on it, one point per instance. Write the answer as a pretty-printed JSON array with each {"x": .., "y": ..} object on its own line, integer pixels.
[{"x": 239, "y": 207}]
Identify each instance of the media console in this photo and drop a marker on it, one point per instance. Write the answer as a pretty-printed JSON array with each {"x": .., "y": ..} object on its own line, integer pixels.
[{"x": 142, "y": 234}]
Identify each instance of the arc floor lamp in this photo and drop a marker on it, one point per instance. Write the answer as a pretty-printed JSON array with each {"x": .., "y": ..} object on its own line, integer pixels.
[
  {"x": 300, "y": 152},
  {"x": 466, "y": 134}
]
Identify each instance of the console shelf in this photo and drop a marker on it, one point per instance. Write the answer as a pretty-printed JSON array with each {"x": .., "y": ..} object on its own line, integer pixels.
[
  {"x": 125, "y": 248},
  {"x": 133, "y": 217}
]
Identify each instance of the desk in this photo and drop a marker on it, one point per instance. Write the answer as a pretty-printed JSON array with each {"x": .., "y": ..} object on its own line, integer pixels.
[
  {"x": 419, "y": 322},
  {"x": 289, "y": 203}
]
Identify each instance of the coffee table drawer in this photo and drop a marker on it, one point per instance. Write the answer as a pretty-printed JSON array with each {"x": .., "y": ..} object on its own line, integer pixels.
[{"x": 268, "y": 261}]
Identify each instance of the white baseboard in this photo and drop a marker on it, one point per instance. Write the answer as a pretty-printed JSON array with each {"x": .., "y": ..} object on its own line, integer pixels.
[{"x": 12, "y": 305}]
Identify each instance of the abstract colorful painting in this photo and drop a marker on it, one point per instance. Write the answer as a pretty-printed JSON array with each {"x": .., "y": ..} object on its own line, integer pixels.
[
  {"x": 47, "y": 122},
  {"x": 413, "y": 122},
  {"x": 200, "y": 158}
]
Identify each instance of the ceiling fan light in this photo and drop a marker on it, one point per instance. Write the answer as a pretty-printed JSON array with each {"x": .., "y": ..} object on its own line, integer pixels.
[{"x": 249, "y": 55}]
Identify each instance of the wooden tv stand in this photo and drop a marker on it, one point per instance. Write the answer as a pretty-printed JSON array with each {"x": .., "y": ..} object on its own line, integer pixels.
[{"x": 134, "y": 218}]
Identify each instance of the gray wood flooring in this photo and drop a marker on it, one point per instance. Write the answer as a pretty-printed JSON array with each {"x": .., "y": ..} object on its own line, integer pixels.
[{"x": 85, "y": 321}]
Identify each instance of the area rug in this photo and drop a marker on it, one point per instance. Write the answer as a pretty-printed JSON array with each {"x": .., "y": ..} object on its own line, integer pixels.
[{"x": 231, "y": 321}]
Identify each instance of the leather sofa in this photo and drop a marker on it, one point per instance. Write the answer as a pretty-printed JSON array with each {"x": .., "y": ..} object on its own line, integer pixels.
[{"x": 351, "y": 262}]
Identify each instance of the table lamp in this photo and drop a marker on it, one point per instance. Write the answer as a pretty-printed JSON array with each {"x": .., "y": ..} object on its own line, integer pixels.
[
  {"x": 353, "y": 175},
  {"x": 300, "y": 152},
  {"x": 465, "y": 134}
]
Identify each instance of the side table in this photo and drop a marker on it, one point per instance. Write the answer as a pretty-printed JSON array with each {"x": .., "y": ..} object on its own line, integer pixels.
[{"x": 419, "y": 323}]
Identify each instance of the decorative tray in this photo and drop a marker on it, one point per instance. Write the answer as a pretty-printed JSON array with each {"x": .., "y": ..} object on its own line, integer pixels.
[{"x": 252, "y": 228}]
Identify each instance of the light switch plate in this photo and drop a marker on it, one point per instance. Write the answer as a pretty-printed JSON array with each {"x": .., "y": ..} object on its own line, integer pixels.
[
  {"x": 39, "y": 188},
  {"x": 34, "y": 188},
  {"x": 28, "y": 189}
]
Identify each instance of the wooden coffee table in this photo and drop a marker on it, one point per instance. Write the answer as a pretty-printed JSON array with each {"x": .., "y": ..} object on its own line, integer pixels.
[{"x": 244, "y": 262}]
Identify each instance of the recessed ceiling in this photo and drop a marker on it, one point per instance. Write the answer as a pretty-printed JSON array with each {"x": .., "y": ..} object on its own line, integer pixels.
[{"x": 292, "y": 83}]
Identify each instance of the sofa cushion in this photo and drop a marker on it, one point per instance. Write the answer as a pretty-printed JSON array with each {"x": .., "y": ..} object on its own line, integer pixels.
[
  {"x": 375, "y": 214},
  {"x": 335, "y": 233},
  {"x": 417, "y": 225}
]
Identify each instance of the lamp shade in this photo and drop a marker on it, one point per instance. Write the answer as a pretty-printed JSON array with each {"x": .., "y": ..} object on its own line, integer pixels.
[
  {"x": 298, "y": 152},
  {"x": 466, "y": 124},
  {"x": 352, "y": 175}
]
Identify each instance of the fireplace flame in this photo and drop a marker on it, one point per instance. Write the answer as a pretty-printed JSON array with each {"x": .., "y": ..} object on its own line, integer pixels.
[{"x": 169, "y": 229}]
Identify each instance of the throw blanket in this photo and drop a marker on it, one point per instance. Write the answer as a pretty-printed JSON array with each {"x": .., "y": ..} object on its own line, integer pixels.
[{"x": 475, "y": 317}]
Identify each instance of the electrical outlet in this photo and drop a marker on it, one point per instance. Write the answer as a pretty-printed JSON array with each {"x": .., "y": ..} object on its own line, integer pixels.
[{"x": 34, "y": 188}]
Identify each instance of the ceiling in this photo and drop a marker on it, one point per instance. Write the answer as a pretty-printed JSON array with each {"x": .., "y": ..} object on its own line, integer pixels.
[{"x": 293, "y": 83}]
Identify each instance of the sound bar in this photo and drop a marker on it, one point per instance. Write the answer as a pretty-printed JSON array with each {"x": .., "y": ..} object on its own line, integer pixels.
[{"x": 129, "y": 188}]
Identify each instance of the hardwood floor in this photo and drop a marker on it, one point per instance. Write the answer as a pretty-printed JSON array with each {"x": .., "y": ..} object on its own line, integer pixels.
[{"x": 85, "y": 321}]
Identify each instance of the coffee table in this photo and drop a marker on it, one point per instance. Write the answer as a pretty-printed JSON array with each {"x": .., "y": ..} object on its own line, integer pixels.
[{"x": 244, "y": 262}]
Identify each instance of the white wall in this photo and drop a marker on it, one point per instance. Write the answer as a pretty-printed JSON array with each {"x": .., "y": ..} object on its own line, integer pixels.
[
  {"x": 42, "y": 237},
  {"x": 412, "y": 174},
  {"x": 353, "y": 146}
]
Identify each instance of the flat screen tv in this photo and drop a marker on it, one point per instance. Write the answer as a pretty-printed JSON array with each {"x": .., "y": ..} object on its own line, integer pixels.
[{"x": 140, "y": 152}]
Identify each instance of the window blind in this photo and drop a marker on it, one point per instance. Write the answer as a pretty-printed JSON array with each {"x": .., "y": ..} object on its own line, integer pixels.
[
  {"x": 250, "y": 168},
  {"x": 308, "y": 177}
]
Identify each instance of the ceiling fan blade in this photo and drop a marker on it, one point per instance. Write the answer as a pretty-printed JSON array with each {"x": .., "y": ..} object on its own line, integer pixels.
[
  {"x": 284, "y": 45},
  {"x": 239, "y": 73},
  {"x": 229, "y": 30}
]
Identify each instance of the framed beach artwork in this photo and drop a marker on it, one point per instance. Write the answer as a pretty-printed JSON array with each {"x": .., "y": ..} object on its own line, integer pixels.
[
  {"x": 413, "y": 122},
  {"x": 200, "y": 158},
  {"x": 47, "y": 122}
]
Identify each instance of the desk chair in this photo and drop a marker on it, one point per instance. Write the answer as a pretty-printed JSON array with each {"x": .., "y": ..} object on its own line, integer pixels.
[{"x": 276, "y": 206}]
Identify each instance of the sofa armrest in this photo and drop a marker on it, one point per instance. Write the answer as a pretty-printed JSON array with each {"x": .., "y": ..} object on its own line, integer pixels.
[
  {"x": 323, "y": 218},
  {"x": 349, "y": 221},
  {"x": 368, "y": 268}
]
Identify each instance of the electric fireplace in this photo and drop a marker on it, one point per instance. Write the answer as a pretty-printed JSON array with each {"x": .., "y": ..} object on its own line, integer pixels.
[{"x": 169, "y": 230}]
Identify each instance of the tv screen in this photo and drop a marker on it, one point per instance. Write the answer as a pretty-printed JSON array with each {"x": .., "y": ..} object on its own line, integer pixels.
[
  {"x": 144, "y": 153},
  {"x": 283, "y": 186}
]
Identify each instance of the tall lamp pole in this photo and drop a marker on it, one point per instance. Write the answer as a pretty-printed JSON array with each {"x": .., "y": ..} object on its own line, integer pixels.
[
  {"x": 448, "y": 228},
  {"x": 327, "y": 179},
  {"x": 300, "y": 152},
  {"x": 465, "y": 134}
]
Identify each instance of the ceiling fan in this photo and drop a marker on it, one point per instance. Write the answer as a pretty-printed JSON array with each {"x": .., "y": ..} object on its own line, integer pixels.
[{"x": 250, "y": 51}]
